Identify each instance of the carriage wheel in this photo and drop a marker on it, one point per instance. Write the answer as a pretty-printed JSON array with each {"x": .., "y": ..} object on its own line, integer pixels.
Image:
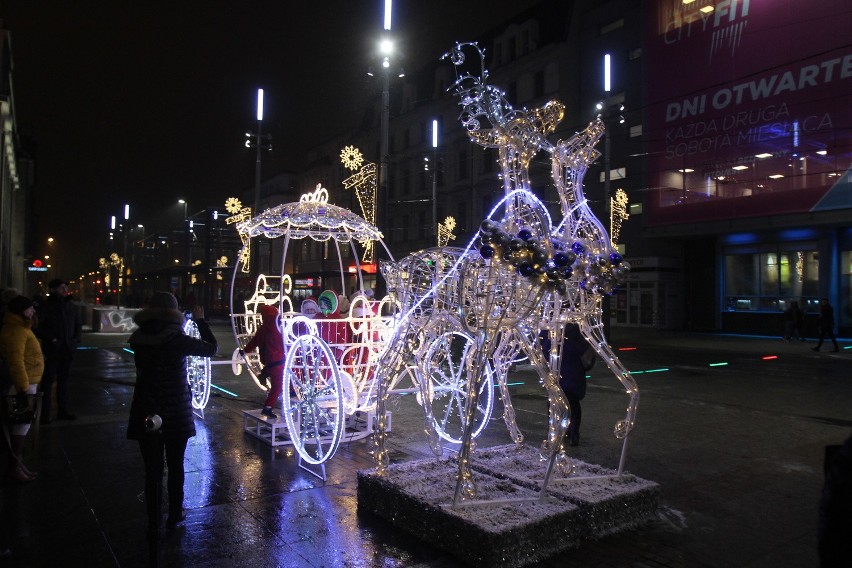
[
  {"x": 313, "y": 403},
  {"x": 197, "y": 371},
  {"x": 445, "y": 366},
  {"x": 237, "y": 362}
]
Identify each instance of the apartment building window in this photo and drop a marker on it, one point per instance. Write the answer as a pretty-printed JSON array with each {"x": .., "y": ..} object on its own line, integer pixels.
[
  {"x": 391, "y": 186},
  {"x": 538, "y": 84},
  {"x": 406, "y": 222},
  {"x": 462, "y": 164},
  {"x": 488, "y": 160},
  {"x": 612, "y": 26},
  {"x": 512, "y": 92},
  {"x": 406, "y": 188},
  {"x": 461, "y": 217},
  {"x": 525, "y": 42},
  {"x": 498, "y": 53}
]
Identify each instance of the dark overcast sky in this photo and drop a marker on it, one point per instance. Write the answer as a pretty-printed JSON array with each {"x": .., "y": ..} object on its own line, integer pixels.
[{"x": 147, "y": 102}]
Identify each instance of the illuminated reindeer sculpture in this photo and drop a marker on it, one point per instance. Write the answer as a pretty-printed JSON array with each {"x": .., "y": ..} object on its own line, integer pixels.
[{"x": 518, "y": 277}]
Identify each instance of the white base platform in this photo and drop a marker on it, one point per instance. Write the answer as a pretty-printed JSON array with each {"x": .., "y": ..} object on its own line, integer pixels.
[{"x": 274, "y": 431}]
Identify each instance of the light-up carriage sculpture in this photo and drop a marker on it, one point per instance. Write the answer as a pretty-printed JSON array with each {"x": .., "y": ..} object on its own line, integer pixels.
[
  {"x": 328, "y": 372},
  {"x": 520, "y": 276}
]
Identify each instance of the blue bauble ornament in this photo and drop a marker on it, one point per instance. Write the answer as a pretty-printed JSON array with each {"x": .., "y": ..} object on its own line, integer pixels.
[
  {"x": 526, "y": 269},
  {"x": 615, "y": 258},
  {"x": 516, "y": 244},
  {"x": 502, "y": 238},
  {"x": 488, "y": 227},
  {"x": 561, "y": 259},
  {"x": 583, "y": 284},
  {"x": 567, "y": 273},
  {"x": 578, "y": 248},
  {"x": 525, "y": 234},
  {"x": 602, "y": 261},
  {"x": 553, "y": 274},
  {"x": 487, "y": 251},
  {"x": 540, "y": 256}
]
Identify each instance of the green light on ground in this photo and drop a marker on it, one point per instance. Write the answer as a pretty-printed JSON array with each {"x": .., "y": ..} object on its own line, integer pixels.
[{"x": 718, "y": 364}]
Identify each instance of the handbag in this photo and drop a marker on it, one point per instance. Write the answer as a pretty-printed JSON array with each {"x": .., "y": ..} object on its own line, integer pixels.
[
  {"x": 588, "y": 359},
  {"x": 20, "y": 408}
]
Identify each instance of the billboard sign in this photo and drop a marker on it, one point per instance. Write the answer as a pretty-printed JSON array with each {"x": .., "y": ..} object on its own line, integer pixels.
[{"x": 749, "y": 107}]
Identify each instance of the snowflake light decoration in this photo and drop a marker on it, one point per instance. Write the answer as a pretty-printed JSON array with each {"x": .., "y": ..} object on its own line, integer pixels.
[
  {"x": 351, "y": 157},
  {"x": 233, "y": 205}
]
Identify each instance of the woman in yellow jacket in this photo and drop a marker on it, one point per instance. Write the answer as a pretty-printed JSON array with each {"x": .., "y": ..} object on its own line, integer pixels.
[{"x": 25, "y": 364}]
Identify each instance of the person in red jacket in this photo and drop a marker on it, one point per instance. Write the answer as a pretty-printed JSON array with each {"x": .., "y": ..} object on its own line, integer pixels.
[{"x": 271, "y": 344}]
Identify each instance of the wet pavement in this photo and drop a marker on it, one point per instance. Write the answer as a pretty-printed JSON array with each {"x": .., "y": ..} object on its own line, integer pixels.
[{"x": 732, "y": 428}]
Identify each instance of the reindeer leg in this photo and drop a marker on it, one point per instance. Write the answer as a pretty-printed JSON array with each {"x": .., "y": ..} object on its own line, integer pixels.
[
  {"x": 477, "y": 360},
  {"x": 592, "y": 330},
  {"x": 503, "y": 356},
  {"x": 559, "y": 411}
]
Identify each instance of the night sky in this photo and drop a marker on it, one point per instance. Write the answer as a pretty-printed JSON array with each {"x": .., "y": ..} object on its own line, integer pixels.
[{"x": 146, "y": 103}]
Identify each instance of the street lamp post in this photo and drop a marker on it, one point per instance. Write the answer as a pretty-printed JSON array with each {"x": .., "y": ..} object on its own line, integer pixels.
[
  {"x": 260, "y": 142},
  {"x": 607, "y": 110},
  {"x": 122, "y": 283},
  {"x": 435, "y": 179}
]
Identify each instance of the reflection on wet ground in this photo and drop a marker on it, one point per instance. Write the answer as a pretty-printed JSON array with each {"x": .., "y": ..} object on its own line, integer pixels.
[{"x": 250, "y": 505}]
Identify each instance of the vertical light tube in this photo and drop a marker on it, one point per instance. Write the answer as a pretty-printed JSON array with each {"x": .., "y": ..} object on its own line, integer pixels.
[
  {"x": 388, "y": 10},
  {"x": 607, "y": 69},
  {"x": 259, "y": 104}
]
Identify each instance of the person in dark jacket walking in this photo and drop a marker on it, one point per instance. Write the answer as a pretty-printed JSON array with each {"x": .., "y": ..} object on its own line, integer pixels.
[
  {"x": 161, "y": 416},
  {"x": 572, "y": 375},
  {"x": 825, "y": 324},
  {"x": 59, "y": 330}
]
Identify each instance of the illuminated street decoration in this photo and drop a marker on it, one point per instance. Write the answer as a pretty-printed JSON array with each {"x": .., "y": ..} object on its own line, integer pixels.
[
  {"x": 800, "y": 265},
  {"x": 617, "y": 213},
  {"x": 351, "y": 157},
  {"x": 330, "y": 355},
  {"x": 114, "y": 261},
  {"x": 221, "y": 262},
  {"x": 197, "y": 372},
  {"x": 519, "y": 276},
  {"x": 239, "y": 214},
  {"x": 445, "y": 231},
  {"x": 194, "y": 277},
  {"x": 364, "y": 182}
]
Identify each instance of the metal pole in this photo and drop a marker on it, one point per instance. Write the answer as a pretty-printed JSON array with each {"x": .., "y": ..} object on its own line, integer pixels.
[
  {"x": 605, "y": 301},
  {"x": 383, "y": 143}
]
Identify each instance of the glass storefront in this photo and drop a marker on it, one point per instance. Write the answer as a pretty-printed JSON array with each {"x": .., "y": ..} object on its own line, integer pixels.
[{"x": 769, "y": 277}]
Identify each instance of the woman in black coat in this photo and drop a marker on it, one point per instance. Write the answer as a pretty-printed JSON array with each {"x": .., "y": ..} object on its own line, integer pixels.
[
  {"x": 161, "y": 416},
  {"x": 572, "y": 375}
]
